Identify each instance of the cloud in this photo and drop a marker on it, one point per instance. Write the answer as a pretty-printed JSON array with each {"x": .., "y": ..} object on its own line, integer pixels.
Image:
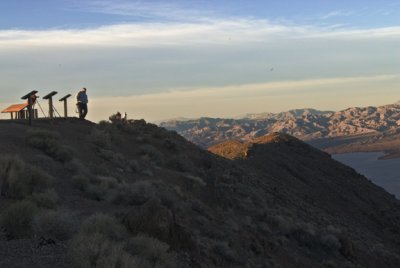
[
  {"x": 145, "y": 9},
  {"x": 217, "y": 32},
  {"x": 337, "y": 13}
]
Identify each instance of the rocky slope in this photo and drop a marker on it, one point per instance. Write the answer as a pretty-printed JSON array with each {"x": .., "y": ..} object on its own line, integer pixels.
[
  {"x": 131, "y": 194},
  {"x": 305, "y": 124}
]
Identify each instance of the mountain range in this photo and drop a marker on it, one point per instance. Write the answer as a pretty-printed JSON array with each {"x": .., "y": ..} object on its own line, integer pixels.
[
  {"x": 350, "y": 130},
  {"x": 131, "y": 194}
]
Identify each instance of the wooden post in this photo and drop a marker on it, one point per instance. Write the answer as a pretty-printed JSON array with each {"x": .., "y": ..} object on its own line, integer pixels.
[
  {"x": 50, "y": 98},
  {"x": 29, "y": 98},
  {"x": 64, "y": 99}
]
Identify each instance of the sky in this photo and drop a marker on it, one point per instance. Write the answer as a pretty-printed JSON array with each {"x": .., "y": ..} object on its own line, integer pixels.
[{"x": 167, "y": 59}]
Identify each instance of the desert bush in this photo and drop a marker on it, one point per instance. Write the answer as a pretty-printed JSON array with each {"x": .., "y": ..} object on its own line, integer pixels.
[
  {"x": 101, "y": 138},
  {"x": 151, "y": 152},
  {"x": 330, "y": 242},
  {"x": 49, "y": 143},
  {"x": 196, "y": 180},
  {"x": 152, "y": 218},
  {"x": 107, "y": 181},
  {"x": 114, "y": 157},
  {"x": 105, "y": 225},
  {"x": 17, "y": 219},
  {"x": 179, "y": 163},
  {"x": 80, "y": 182},
  {"x": 54, "y": 224},
  {"x": 18, "y": 179},
  {"x": 100, "y": 187},
  {"x": 77, "y": 167},
  {"x": 132, "y": 194},
  {"x": 96, "y": 250},
  {"x": 48, "y": 199},
  {"x": 152, "y": 250},
  {"x": 100, "y": 243},
  {"x": 223, "y": 250},
  {"x": 96, "y": 191},
  {"x": 133, "y": 165}
]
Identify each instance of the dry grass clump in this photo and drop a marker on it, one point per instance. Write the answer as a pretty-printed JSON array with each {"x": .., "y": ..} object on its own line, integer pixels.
[
  {"x": 96, "y": 250},
  {"x": 19, "y": 179},
  {"x": 55, "y": 225},
  {"x": 151, "y": 218},
  {"x": 80, "y": 182},
  {"x": 132, "y": 194},
  {"x": 46, "y": 200},
  {"x": 150, "y": 152},
  {"x": 103, "y": 242},
  {"x": 100, "y": 244},
  {"x": 17, "y": 220},
  {"x": 100, "y": 187},
  {"x": 150, "y": 251},
  {"x": 105, "y": 225},
  {"x": 49, "y": 143}
]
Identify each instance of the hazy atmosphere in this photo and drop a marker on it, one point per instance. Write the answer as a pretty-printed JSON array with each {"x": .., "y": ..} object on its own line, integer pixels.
[{"x": 158, "y": 60}]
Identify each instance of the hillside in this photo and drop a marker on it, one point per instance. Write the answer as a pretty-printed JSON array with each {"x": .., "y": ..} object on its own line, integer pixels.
[
  {"x": 369, "y": 128},
  {"x": 131, "y": 194}
]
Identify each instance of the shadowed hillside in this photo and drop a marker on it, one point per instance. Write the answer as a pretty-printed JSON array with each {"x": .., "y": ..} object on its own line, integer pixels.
[{"x": 131, "y": 194}]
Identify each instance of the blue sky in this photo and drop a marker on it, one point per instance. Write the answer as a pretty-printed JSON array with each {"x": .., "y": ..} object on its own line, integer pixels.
[{"x": 164, "y": 59}]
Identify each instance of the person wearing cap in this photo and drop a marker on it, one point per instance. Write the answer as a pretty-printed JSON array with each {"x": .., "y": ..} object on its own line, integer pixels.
[{"x": 81, "y": 103}]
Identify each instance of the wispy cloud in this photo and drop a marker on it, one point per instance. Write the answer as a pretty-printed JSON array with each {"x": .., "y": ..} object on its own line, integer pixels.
[
  {"x": 151, "y": 10},
  {"x": 337, "y": 13},
  {"x": 156, "y": 34}
]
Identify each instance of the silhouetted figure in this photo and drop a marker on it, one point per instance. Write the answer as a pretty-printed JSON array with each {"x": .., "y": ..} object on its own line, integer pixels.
[
  {"x": 118, "y": 116},
  {"x": 81, "y": 103}
]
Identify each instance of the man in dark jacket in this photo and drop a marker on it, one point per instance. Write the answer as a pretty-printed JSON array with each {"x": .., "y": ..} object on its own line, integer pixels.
[{"x": 81, "y": 103}]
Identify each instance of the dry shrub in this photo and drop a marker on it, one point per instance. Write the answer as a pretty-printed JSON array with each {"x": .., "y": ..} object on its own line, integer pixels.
[
  {"x": 55, "y": 225},
  {"x": 19, "y": 179},
  {"x": 152, "y": 218},
  {"x": 112, "y": 156},
  {"x": 47, "y": 200},
  {"x": 100, "y": 188},
  {"x": 101, "y": 138},
  {"x": 152, "y": 153},
  {"x": 17, "y": 220},
  {"x": 96, "y": 192},
  {"x": 152, "y": 251},
  {"x": 107, "y": 181},
  {"x": 49, "y": 143},
  {"x": 96, "y": 250},
  {"x": 100, "y": 243},
  {"x": 80, "y": 182},
  {"x": 132, "y": 194},
  {"x": 105, "y": 225}
]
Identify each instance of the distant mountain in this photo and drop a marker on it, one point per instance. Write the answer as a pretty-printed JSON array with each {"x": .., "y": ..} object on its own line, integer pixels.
[{"x": 305, "y": 124}]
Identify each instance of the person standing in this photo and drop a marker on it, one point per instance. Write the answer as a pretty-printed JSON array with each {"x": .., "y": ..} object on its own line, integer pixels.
[{"x": 81, "y": 103}]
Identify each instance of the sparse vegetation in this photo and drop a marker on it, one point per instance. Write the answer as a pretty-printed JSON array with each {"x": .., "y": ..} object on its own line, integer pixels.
[
  {"x": 153, "y": 252},
  {"x": 80, "y": 182},
  {"x": 100, "y": 243},
  {"x": 105, "y": 225},
  {"x": 150, "y": 152},
  {"x": 19, "y": 179},
  {"x": 17, "y": 220},
  {"x": 47, "y": 200},
  {"x": 132, "y": 194},
  {"x": 56, "y": 225},
  {"x": 49, "y": 142},
  {"x": 195, "y": 209}
]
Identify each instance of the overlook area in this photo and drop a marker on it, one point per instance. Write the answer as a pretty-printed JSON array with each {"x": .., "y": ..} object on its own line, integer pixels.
[{"x": 131, "y": 194}]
